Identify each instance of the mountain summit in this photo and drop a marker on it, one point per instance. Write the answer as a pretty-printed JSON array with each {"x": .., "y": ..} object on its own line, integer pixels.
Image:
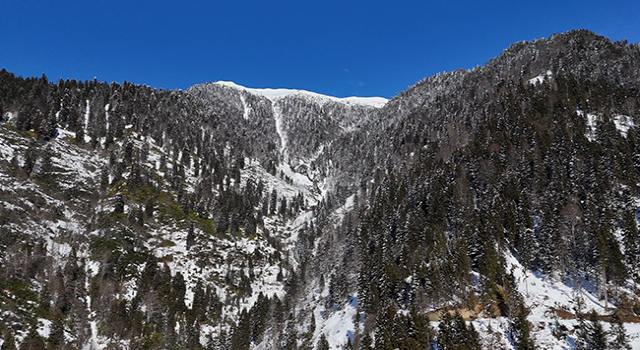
[
  {"x": 224, "y": 217},
  {"x": 274, "y": 94}
]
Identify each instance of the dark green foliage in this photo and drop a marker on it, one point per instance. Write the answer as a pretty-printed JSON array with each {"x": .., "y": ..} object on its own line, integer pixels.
[
  {"x": 9, "y": 341},
  {"x": 348, "y": 345},
  {"x": 104, "y": 178},
  {"x": 618, "y": 334},
  {"x": 260, "y": 315},
  {"x": 33, "y": 341},
  {"x": 323, "y": 344},
  {"x": 520, "y": 330},
  {"x": 591, "y": 334},
  {"x": 395, "y": 331},
  {"x": 366, "y": 342},
  {"x": 241, "y": 338},
  {"x": 631, "y": 240},
  {"x": 420, "y": 334},
  {"x": 176, "y": 296},
  {"x": 29, "y": 159},
  {"x": 385, "y": 333},
  {"x": 337, "y": 290},
  {"x": 118, "y": 205},
  {"x": 454, "y": 333},
  {"x": 56, "y": 336},
  {"x": 191, "y": 238}
]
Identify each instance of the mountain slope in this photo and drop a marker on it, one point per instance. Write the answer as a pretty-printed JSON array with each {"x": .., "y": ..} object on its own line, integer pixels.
[{"x": 228, "y": 217}]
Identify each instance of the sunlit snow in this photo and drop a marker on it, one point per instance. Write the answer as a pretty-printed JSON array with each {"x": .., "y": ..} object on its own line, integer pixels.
[{"x": 274, "y": 94}]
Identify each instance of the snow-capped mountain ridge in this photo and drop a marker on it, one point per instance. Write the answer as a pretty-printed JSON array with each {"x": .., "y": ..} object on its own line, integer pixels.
[{"x": 274, "y": 94}]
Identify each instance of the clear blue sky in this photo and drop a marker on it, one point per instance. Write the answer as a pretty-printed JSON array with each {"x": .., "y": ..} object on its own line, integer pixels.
[{"x": 340, "y": 48}]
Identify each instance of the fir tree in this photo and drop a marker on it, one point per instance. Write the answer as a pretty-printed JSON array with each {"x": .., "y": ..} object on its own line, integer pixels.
[
  {"x": 454, "y": 334},
  {"x": 366, "y": 342},
  {"x": 631, "y": 240},
  {"x": 620, "y": 340},
  {"x": 520, "y": 329},
  {"x": 591, "y": 334},
  {"x": 323, "y": 344},
  {"x": 9, "y": 341}
]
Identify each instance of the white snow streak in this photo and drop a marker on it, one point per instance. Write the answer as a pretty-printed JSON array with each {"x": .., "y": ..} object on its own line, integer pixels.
[
  {"x": 277, "y": 115},
  {"x": 245, "y": 107},
  {"x": 623, "y": 124}
]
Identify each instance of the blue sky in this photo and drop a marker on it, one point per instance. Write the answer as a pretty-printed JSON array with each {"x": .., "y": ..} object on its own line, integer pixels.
[{"x": 340, "y": 48}]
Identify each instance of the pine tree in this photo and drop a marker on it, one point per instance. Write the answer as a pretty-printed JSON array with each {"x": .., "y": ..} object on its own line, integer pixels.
[
  {"x": 420, "y": 330},
  {"x": 33, "y": 341},
  {"x": 323, "y": 344},
  {"x": 9, "y": 341},
  {"x": 149, "y": 207},
  {"x": 454, "y": 334},
  {"x": 56, "y": 336},
  {"x": 520, "y": 330},
  {"x": 472, "y": 338},
  {"x": 591, "y": 335},
  {"x": 178, "y": 289},
  {"x": 104, "y": 178},
  {"x": 631, "y": 240},
  {"x": 241, "y": 338},
  {"x": 619, "y": 334},
  {"x": 448, "y": 336},
  {"x": 46, "y": 165},
  {"x": 30, "y": 157},
  {"x": 118, "y": 206},
  {"x": 349, "y": 344},
  {"x": 191, "y": 238},
  {"x": 366, "y": 342}
]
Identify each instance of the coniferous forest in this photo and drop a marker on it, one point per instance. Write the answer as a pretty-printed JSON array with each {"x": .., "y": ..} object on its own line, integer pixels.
[{"x": 491, "y": 208}]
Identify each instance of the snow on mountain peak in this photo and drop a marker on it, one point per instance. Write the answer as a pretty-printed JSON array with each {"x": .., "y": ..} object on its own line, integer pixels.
[{"x": 274, "y": 94}]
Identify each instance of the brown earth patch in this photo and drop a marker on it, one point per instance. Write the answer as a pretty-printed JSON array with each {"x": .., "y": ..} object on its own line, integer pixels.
[
  {"x": 466, "y": 313},
  {"x": 625, "y": 316}
]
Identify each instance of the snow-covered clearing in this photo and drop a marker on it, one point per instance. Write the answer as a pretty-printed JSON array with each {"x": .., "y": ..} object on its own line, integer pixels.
[{"x": 622, "y": 123}]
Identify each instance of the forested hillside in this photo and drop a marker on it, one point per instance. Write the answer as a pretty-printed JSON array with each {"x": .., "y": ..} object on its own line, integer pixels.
[{"x": 222, "y": 217}]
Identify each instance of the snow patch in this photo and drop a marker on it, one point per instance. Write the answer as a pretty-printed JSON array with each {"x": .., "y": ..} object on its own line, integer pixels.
[
  {"x": 540, "y": 78},
  {"x": 87, "y": 113},
  {"x": 245, "y": 107},
  {"x": 274, "y": 94},
  {"x": 297, "y": 178},
  {"x": 44, "y": 327},
  {"x": 591, "y": 127},
  {"x": 543, "y": 294},
  {"x": 342, "y": 211},
  {"x": 277, "y": 115},
  {"x": 623, "y": 124},
  {"x": 338, "y": 325}
]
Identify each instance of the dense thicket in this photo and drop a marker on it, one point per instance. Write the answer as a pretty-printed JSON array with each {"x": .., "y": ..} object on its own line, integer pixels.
[
  {"x": 470, "y": 165},
  {"x": 193, "y": 183},
  {"x": 494, "y": 163}
]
